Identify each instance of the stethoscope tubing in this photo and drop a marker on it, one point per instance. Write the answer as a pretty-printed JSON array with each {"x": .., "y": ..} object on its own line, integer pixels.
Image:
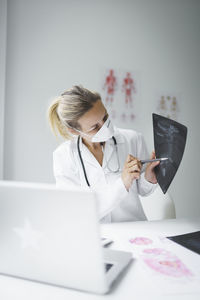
[
  {"x": 82, "y": 163},
  {"x": 81, "y": 159}
]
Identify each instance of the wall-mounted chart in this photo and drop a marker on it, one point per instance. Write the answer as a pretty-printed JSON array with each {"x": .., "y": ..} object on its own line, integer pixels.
[
  {"x": 168, "y": 105},
  {"x": 120, "y": 94}
]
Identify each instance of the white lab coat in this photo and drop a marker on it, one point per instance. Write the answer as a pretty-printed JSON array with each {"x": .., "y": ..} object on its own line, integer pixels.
[{"x": 115, "y": 203}]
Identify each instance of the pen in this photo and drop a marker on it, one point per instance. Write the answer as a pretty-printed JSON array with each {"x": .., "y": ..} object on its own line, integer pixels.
[
  {"x": 152, "y": 160},
  {"x": 106, "y": 242}
]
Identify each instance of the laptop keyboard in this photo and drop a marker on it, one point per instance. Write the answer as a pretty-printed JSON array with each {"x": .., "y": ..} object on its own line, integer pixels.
[{"x": 108, "y": 266}]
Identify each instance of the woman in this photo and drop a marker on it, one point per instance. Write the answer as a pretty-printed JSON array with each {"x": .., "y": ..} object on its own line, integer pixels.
[{"x": 100, "y": 156}]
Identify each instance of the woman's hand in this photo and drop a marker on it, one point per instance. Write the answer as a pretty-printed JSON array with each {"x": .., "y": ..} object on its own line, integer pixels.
[
  {"x": 149, "y": 172},
  {"x": 131, "y": 171}
]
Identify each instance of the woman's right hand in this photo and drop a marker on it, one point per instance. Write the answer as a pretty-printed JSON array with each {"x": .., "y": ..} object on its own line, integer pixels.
[{"x": 131, "y": 171}]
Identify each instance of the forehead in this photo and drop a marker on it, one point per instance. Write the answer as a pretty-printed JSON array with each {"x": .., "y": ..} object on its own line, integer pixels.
[{"x": 93, "y": 116}]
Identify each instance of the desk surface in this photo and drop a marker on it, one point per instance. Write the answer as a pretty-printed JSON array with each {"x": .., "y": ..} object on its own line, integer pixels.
[{"x": 137, "y": 282}]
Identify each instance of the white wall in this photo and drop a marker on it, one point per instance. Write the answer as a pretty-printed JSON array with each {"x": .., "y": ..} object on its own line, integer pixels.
[
  {"x": 3, "y": 28},
  {"x": 53, "y": 44}
]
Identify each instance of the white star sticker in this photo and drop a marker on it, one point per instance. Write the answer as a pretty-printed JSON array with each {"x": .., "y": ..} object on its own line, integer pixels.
[{"x": 28, "y": 236}]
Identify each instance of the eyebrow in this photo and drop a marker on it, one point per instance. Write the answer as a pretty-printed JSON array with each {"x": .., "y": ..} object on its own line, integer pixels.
[{"x": 106, "y": 113}]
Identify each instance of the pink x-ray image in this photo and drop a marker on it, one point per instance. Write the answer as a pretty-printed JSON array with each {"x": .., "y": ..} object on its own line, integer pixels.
[
  {"x": 165, "y": 262},
  {"x": 141, "y": 241}
]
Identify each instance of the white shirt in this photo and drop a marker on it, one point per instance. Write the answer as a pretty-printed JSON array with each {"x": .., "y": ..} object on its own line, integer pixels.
[{"x": 115, "y": 203}]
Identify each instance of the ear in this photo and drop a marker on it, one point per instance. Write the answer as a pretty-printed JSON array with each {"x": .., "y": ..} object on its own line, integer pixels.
[{"x": 72, "y": 131}]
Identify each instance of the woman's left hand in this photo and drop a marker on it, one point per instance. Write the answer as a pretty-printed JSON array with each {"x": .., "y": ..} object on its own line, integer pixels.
[{"x": 149, "y": 172}]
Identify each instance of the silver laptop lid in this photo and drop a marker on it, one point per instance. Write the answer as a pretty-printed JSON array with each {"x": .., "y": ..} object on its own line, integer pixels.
[{"x": 51, "y": 235}]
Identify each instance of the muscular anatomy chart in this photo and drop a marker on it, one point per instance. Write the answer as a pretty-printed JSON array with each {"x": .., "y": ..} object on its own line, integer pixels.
[
  {"x": 120, "y": 94},
  {"x": 110, "y": 86},
  {"x": 128, "y": 89}
]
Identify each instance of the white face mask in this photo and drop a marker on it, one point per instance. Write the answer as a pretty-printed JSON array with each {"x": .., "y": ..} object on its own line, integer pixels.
[{"x": 103, "y": 134}]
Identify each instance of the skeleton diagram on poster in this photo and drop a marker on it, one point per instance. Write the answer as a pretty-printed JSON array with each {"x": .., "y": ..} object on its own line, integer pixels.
[
  {"x": 168, "y": 105},
  {"x": 120, "y": 94}
]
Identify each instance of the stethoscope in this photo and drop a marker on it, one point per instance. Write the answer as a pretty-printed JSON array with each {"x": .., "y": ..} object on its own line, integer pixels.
[{"x": 82, "y": 163}]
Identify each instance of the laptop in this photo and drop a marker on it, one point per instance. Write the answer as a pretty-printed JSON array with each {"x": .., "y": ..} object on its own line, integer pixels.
[{"x": 52, "y": 236}]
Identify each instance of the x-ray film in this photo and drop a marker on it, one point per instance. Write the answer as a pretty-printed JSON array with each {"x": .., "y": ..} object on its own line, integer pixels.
[
  {"x": 189, "y": 240},
  {"x": 169, "y": 141}
]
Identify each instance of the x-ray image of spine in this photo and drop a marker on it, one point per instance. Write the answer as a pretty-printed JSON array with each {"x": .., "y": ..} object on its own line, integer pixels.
[
  {"x": 128, "y": 88},
  {"x": 110, "y": 86}
]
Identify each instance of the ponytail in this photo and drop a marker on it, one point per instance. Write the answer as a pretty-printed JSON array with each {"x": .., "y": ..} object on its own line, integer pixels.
[{"x": 56, "y": 124}]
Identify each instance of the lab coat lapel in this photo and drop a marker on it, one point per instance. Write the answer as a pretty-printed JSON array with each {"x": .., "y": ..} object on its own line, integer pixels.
[
  {"x": 110, "y": 149},
  {"x": 108, "y": 152},
  {"x": 87, "y": 156}
]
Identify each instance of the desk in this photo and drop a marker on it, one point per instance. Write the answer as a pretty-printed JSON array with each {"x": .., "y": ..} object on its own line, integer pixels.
[{"x": 132, "y": 284}]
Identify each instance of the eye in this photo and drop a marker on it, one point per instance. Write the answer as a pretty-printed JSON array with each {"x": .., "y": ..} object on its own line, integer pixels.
[
  {"x": 96, "y": 128},
  {"x": 105, "y": 117}
]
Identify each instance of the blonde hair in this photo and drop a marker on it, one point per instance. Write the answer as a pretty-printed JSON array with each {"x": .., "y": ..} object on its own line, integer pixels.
[{"x": 66, "y": 109}]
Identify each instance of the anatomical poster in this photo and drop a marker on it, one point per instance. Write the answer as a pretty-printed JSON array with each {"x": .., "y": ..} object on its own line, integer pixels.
[
  {"x": 168, "y": 105},
  {"x": 120, "y": 92}
]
